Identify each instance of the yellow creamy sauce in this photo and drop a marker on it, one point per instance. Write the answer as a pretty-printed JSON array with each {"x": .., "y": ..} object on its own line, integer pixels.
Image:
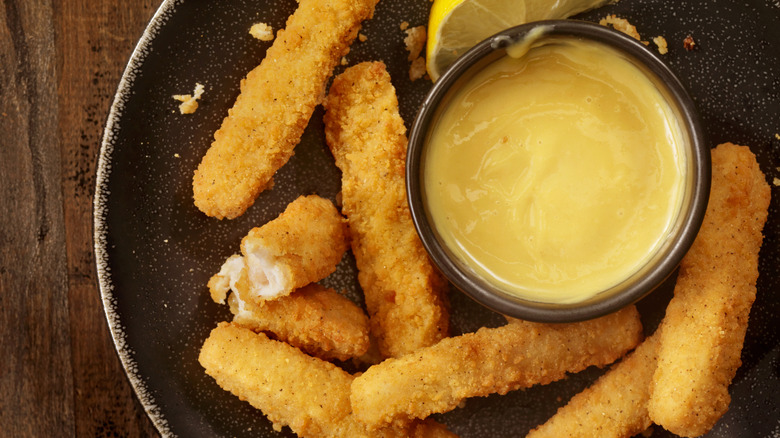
[{"x": 555, "y": 175}]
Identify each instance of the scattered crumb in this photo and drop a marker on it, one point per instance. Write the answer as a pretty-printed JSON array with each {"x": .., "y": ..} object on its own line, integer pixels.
[
  {"x": 663, "y": 47},
  {"x": 344, "y": 60},
  {"x": 415, "y": 41},
  {"x": 404, "y": 25},
  {"x": 362, "y": 38},
  {"x": 417, "y": 69},
  {"x": 177, "y": 155},
  {"x": 189, "y": 103},
  {"x": 622, "y": 25},
  {"x": 776, "y": 182},
  {"x": 262, "y": 31},
  {"x": 777, "y": 136},
  {"x": 689, "y": 43}
]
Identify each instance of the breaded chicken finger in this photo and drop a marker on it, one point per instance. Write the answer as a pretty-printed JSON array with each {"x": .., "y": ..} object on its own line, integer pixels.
[
  {"x": 307, "y": 394},
  {"x": 705, "y": 323},
  {"x": 492, "y": 360},
  {"x": 615, "y": 406},
  {"x": 404, "y": 293},
  {"x": 276, "y": 101},
  {"x": 318, "y": 320},
  {"x": 303, "y": 245}
]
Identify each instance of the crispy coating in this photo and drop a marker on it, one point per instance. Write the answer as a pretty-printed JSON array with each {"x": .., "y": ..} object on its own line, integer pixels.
[
  {"x": 318, "y": 320},
  {"x": 405, "y": 295},
  {"x": 303, "y": 245},
  {"x": 309, "y": 395},
  {"x": 276, "y": 101},
  {"x": 705, "y": 323},
  {"x": 614, "y": 406},
  {"x": 492, "y": 360}
]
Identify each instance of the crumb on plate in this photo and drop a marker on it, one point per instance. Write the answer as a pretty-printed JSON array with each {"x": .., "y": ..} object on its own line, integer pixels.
[
  {"x": 262, "y": 31},
  {"x": 417, "y": 69},
  {"x": 689, "y": 43},
  {"x": 663, "y": 47},
  {"x": 622, "y": 25},
  {"x": 189, "y": 103},
  {"x": 415, "y": 42}
]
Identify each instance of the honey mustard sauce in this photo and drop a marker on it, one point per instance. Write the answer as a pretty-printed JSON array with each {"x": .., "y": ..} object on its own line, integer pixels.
[{"x": 557, "y": 173}]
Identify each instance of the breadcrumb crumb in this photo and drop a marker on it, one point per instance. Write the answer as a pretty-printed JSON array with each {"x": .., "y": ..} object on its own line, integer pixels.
[
  {"x": 689, "y": 43},
  {"x": 415, "y": 42},
  {"x": 189, "y": 102},
  {"x": 363, "y": 38},
  {"x": 417, "y": 69},
  {"x": 404, "y": 25},
  {"x": 622, "y": 25},
  {"x": 776, "y": 182},
  {"x": 262, "y": 31},
  {"x": 663, "y": 47}
]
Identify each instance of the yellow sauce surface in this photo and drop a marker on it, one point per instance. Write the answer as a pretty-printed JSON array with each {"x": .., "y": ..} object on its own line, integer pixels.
[{"x": 555, "y": 175}]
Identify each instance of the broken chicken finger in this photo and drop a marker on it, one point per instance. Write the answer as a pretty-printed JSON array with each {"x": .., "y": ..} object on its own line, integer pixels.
[
  {"x": 318, "y": 320},
  {"x": 303, "y": 245}
]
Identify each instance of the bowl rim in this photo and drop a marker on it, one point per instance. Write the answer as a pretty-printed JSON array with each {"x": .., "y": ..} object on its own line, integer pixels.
[{"x": 489, "y": 295}]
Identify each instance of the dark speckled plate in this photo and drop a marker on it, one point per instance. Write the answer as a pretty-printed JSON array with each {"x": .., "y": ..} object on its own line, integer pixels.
[{"x": 156, "y": 251}]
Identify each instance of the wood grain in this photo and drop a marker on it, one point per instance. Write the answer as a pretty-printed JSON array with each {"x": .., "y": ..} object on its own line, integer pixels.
[{"x": 60, "y": 63}]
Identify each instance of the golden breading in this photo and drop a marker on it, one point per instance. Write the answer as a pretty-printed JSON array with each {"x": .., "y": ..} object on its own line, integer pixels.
[
  {"x": 492, "y": 360},
  {"x": 309, "y": 395},
  {"x": 303, "y": 245},
  {"x": 705, "y": 323},
  {"x": 614, "y": 406},
  {"x": 405, "y": 295},
  {"x": 276, "y": 101},
  {"x": 318, "y": 320}
]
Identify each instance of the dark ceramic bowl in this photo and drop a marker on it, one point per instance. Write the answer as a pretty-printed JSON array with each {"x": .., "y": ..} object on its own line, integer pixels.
[{"x": 666, "y": 258}]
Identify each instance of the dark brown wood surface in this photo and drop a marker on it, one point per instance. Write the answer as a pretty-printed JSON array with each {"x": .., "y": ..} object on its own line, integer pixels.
[{"x": 60, "y": 63}]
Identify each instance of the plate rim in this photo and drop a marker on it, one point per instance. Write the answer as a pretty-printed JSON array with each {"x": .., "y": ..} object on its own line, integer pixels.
[{"x": 100, "y": 211}]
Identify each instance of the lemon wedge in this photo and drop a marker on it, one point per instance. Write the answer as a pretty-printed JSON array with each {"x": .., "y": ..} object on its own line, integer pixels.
[{"x": 454, "y": 26}]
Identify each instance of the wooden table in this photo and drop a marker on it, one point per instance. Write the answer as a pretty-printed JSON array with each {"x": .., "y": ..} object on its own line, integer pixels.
[{"x": 60, "y": 63}]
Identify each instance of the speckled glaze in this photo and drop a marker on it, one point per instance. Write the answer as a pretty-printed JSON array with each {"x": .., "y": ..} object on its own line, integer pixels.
[{"x": 156, "y": 251}]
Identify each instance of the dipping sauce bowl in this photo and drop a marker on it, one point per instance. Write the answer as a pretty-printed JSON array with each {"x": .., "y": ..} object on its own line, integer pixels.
[{"x": 557, "y": 171}]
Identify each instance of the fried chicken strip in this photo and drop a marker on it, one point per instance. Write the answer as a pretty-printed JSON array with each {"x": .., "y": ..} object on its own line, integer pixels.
[
  {"x": 276, "y": 101},
  {"x": 614, "y": 406},
  {"x": 492, "y": 360},
  {"x": 704, "y": 328},
  {"x": 303, "y": 245},
  {"x": 292, "y": 389},
  {"x": 405, "y": 295},
  {"x": 318, "y": 320}
]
